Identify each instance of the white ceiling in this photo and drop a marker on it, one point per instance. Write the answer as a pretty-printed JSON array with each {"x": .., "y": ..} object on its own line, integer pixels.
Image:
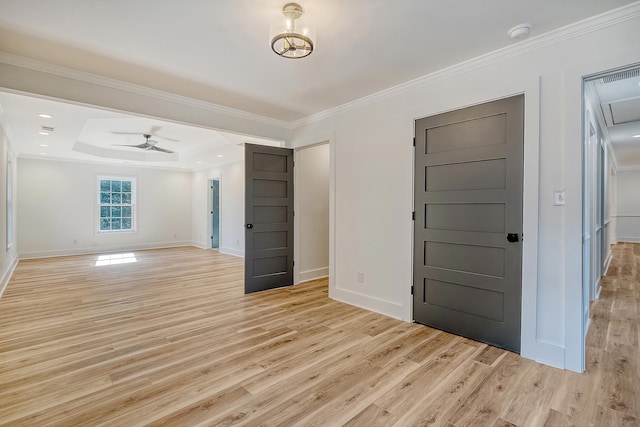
[
  {"x": 217, "y": 51},
  {"x": 90, "y": 134},
  {"x": 619, "y": 104}
]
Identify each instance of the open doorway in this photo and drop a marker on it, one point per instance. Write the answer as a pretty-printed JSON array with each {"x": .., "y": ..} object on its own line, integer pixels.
[
  {"x": 214, "y": 213},
  {"x": 611, "y": 177},
  {"x": 312, "y": 209}
]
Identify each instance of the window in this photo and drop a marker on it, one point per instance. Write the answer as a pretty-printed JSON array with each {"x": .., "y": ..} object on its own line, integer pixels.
[
  {"x": 9, "y": 205},
  {"x": 116, "y": 200}
]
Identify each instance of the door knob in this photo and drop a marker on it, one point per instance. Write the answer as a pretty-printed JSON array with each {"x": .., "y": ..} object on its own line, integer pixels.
[
  {"x": 249, "y": 225},
  {"x": 513, "y": 237}
]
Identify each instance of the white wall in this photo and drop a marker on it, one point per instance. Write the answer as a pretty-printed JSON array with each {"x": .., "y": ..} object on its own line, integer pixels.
[
  {"x": 628, "y": 206},
  {"x": 231, "y": 208},
  {"x": 8, "y": 254},
  {"x": 373, "y": 177},
  {"x": 613, "y": 204},
  {"x": 57, "y": 208},
  {"x": 312, "y": 212}
]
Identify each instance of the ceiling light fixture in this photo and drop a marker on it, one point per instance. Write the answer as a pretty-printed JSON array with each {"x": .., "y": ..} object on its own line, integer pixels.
[
  {"x": 45, "y": 116},
  {"x": 219, "y": 155},
  {"x": 293, "y": 38},
  {"x": 44, "y": 145},
  {"x": 636, "y": 136},
  {"x": 43, "y": 133}
]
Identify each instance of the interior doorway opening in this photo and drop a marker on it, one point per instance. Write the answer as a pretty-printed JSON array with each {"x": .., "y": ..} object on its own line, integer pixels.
[
  {"x": 214, "y": 212},
  {"x": 312, "y": 206},
  {"x": 610, "y": 155}
]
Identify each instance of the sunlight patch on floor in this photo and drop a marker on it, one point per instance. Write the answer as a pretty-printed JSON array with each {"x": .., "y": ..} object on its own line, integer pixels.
[{"x": 113, "y": 259}]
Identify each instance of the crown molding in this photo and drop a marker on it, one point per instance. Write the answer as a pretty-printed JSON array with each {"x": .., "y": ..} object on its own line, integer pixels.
[
  {"x": 118, "y": 164},
  {"x": 558, "y": 35},
  {"x": 57, "y": 70}
]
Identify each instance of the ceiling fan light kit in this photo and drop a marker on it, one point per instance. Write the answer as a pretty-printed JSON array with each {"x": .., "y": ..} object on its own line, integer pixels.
[{"x": 294, "y": 36}]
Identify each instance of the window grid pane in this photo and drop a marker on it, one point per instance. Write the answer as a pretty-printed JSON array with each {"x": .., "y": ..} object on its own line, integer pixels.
[{"x": 116, "y": 205}]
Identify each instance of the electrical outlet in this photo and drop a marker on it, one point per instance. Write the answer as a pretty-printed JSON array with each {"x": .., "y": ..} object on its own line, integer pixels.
[{"x": 360, "y": 277}]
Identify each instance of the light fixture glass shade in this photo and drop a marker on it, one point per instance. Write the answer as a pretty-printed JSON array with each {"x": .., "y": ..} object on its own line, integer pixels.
[{"x": 292, "y": 36}]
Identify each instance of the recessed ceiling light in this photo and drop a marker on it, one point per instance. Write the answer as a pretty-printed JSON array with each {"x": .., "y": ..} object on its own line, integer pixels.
[
  {"x": 199, "y": 163},
  {"x": 219, "y": 155},
  {"x": 44, "y": 145},
  {"x": 43, "y": 154},
  {"x": 636, "y": 136},
  {"x": 43, "y": 133},
  {"x": 45, "y": 116}
]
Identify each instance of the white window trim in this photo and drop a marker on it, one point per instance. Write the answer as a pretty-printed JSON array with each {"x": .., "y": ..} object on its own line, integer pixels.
[{"x": 134, "y": 203}]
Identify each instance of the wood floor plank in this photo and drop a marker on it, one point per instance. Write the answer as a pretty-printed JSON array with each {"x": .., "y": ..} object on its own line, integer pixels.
[
  {"x": 173, "y": 340},
  {"x": 371, "y": 416}
]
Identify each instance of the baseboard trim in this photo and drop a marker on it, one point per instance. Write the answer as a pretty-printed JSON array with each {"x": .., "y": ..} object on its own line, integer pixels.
[
  {"x": 628, "y": 239},
  {"x": 607, "y": 263},
  {"x": 101, "y": 250},
  {"x": 7, "y": 275},
  {"x": 231, "y": 251},
  {"x": 367, "y": 302},
  {"x": 200, "y": 245},
  {"x": 317, "y": 273},
  {"x": 549, "y": 354}
]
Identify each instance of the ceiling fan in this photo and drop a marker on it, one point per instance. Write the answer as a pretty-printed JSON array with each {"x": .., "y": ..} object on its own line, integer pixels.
[{"x": 149, "y": 144}]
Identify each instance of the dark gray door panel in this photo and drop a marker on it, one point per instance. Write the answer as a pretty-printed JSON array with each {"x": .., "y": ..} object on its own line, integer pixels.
[
  {"x": 468, "y": 196},
  {"x": 269, "y": 217}
]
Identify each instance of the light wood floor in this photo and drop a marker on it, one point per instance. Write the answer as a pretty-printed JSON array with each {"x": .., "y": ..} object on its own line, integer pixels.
[{"x": 171, "y": 340}]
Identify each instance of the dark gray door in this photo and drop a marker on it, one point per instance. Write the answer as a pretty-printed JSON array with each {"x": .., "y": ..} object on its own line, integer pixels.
[
  {"x": 468, "y": 222},
  {"x": 268, "y": 259}
]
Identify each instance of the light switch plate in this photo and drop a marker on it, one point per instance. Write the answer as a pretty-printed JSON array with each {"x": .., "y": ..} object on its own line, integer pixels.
[{"x": 559, "y": 197}]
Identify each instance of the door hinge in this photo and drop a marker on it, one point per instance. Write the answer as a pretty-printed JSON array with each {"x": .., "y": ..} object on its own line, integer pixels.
[
  {"x": 413, "y": 216},
  {"x": 414, "y": 141},
  {"x": 411, "y": 289}
]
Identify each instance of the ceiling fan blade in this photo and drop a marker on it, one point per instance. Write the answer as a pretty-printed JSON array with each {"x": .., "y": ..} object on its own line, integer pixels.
[
  {"x": 125, "y": 133},
  {"x": 130, "y": 145},
  {"x": 164, "y": 150},
  {"x": 154, "y": 132},
  {"x": 167, "y": 138}
]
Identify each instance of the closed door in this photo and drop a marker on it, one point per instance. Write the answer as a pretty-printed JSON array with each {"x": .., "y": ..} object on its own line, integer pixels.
[
  {"x": 468, "y": 222},
  {"x": 269, "y": 217}
]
